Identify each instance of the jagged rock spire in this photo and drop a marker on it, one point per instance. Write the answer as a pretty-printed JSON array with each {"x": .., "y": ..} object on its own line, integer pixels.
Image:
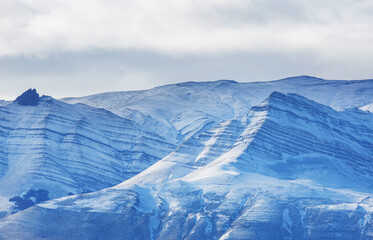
[{"x": 28, "y": 98}]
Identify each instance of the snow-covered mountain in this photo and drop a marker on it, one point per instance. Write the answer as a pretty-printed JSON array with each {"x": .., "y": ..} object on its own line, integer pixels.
[
  {"x": 287, "y": 168},
  {"x": 50, "y": 149},
  {"x": 179, "y": 111}
]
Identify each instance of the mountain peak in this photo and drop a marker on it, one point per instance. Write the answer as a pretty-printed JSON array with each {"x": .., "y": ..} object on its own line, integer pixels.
[
  {"x": 290, "y": 98},
  {"x": 302, "y": 79},
  {"x": 292, "y": 102},
  {"x": 28, "y": 98},
  {"x": 277, "y": 97}
]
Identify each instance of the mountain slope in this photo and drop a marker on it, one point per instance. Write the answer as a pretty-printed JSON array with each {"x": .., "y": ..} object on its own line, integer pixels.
[
  {"x": 179, "y": 111},
  {"x": 287, "y": 137},
  {"x": 67, "y": 149},
  {"x": 290, "y": 168},
  {"x": 3, "y": 102}
]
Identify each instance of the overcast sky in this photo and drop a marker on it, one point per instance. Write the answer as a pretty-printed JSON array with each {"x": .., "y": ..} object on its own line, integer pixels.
[{"x": 79, "y": 47}]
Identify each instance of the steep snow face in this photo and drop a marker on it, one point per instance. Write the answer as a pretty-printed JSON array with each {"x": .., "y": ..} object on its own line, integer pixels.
[
  {"x": 179, "y": 111},
  {"x": 68, "y": 149},
  {"x": 290, "y": 168},
  {"x": 368, "y": 108},
  {"x": 287, "y": 137},
  {"x": 303, "y": 139}
]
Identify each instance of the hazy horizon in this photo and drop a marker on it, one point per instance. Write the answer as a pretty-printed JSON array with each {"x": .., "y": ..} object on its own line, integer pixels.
[
  {"x": 75, "y": 48},
  {"x": 269, "y": 80}
]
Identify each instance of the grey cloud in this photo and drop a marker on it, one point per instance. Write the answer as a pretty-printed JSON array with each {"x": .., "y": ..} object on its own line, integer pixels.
[
  {"x": 46, "y": 27},
  {"x": 82, "y": 73},
  {"x": 68, "y": 47}
]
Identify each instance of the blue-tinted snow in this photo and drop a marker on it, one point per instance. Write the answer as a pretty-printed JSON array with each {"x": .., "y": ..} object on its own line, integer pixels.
[
  {"x": 287, "y": 168},
  {"x": 66, "y": 149}
]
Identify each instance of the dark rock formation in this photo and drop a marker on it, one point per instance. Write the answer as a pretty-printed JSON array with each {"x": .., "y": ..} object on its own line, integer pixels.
[{"x": 28, "y": 98}]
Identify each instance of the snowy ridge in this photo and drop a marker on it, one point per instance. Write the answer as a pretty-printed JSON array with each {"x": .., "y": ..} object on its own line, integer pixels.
[
  {"x": 65, "y": 148},
  {"x": 290, "y": 168},
  {"x": 299, "y": 133},
  {"x": 179, "y": 111},
  {"x": 283, "y": 132},
  {"x": 368, "y": 108}
]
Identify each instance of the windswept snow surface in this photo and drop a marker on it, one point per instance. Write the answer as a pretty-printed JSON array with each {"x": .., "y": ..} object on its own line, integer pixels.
[{"x": 288, "y": 168}]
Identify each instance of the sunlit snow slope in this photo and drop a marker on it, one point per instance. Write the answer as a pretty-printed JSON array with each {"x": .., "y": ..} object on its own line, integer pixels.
[
  {"x": 289, "y": 168},
  {"x": 368, "y": 107}
]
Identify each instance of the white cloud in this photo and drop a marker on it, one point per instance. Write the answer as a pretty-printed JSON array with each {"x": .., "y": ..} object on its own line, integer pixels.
[
  {"x": 42, "y": 27},
  {"x": 79, "y": 47}
]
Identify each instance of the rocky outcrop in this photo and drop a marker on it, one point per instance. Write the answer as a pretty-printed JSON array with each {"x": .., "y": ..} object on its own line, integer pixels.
[{"x": 28, "y": 98}]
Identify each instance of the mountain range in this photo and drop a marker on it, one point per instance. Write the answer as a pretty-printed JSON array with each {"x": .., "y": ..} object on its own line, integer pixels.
[{"x": 286, "y": 159}]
